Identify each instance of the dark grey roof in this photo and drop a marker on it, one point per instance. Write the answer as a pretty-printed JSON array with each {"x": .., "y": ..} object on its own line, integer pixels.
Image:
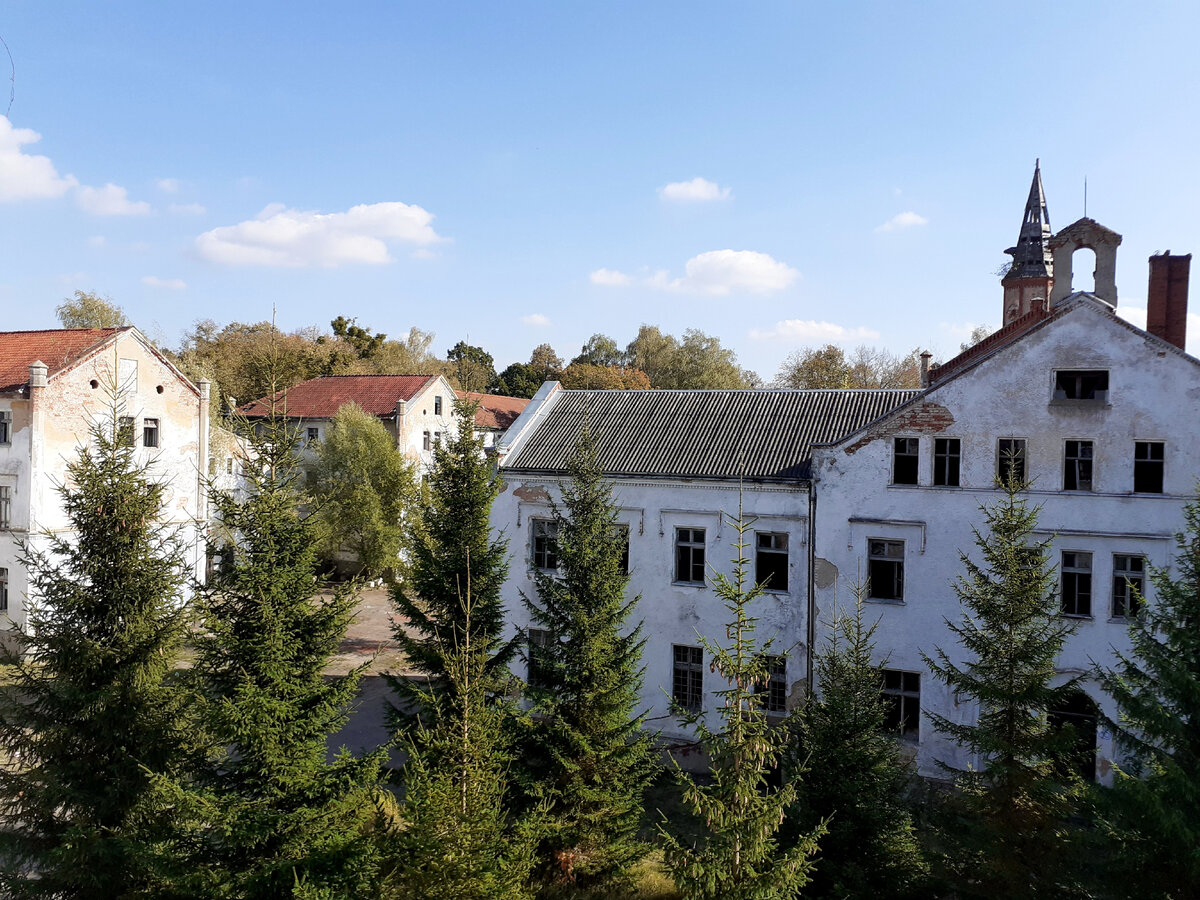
[{"x": 700, "y": 434}]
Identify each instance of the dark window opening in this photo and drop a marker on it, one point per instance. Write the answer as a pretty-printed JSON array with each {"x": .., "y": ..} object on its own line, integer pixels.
[
  {"x": 5, "y": 427},
  {"x": 1072, "y": 384},
  {"x": 689, "y": 555},
  {"x": 437, "y": 406},
  {"x": 775, "y": 686},
  {"x": 314, "y": 434},
  {"x": 1010, "y": 460},
  {"x": 947, "y": 458},
  {"x": 1148, "y": 467},
  {"x": 902, "y": 696},
  {"x": 1076, "y": 714},
  {"x": 149, "y": 432},
  {"x": 1077, "y": 466},
  {"x": 885, "y": 569},
  {"x": 687, "y": 682},
  {"x": 771, "y": 560},
  {"x": 3, "y": 590},
  {"x": 904, "y": 461},
  {"x": 545, "y": 553},
  {"x": 1129, "y": 585},
  {"x": 622, "y": 532},
  {"x": 539, "y": 640},
  {"x": 1076, "y": 583}
]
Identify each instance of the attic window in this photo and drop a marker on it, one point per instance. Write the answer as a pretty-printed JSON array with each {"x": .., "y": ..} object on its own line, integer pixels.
[
  {"x": 94, "y": 383},
  {"x": 1081, "y": 384},
  {"x": 159, "y": 389}
]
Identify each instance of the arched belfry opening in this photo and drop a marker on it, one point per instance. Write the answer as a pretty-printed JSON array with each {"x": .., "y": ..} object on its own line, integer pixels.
[{"x": 1103, "y": 242}]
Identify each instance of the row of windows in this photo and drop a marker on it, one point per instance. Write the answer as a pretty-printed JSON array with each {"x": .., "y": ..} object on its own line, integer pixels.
[
  {"x": 127, "y": 431},
  {"x": 430, "y": 438},
  {"x": 886, "y": 571},
  {"x": 1079, "y": 459},
  {"x": 770, "y": 554}
]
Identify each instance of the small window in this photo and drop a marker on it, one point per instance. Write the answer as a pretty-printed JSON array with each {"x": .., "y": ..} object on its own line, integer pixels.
[
  {"x": 427, "y": 441},
  {"x": 904, "y": 460},
  {"x": 314, "y": 434},
  {"x": 1010, "y": 460},
  {"x": 1148, "y": 467},
  {"x": 771, "y": 560},
  {"x": 1076, "y": 583},
  {"x": 545, "y": 531},
  {"x": 5, "y": 507},
  {"x": 622, "y": 532},
  {"x": 947, "y": 457},
  {"x": 687, "y": 682},
  {"x": 775, "y": 687},
  {"x": 5, "y": 427},
  {"x": 127, "y": 376},
  {"x": 1073, "y": 384},
  {"x": 1077, "y": 466},
  {"x": 149, "y": 432},
  {"x": 539, "y": 640},
  {"x": 437, "y": 439},
  {"x": 3, "y": 590},
  {"x": 1129, "y": 585},
  {"x": 125, "y": 431},
  {"x": 886, "y": 569},
  {"x": 902, "y": 695},
  {"x": 689, "y": 555},
  {"x": 229, "y": 466},
  {"x": 437, "y": 406}
]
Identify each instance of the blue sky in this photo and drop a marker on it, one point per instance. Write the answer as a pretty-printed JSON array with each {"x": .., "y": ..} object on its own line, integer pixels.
[{"x": 777, "y": 174}]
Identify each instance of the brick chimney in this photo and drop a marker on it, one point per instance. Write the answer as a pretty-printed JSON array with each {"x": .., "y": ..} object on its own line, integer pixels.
[{"x": 1166, "y": 298}]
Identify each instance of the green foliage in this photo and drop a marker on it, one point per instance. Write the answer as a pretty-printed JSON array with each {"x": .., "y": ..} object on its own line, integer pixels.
[
  {"x": 473, "y": 367},
  {"x": 361, "y": 339},
  {"x": 740, "y": 856},
  {"x": 363, "y": 490},
  {"x": 1152, "y": 813},
  {"x": 518, "y": 380},
  {"x": 1012, "y": 840},
  {"x": 600, "y": 350},
  {"x": 89, "y": 707},
  {"x": 585, "y": 376},
  {"x": 454, "y": 837},
  {"x": 866, "y": 367},
  {"x": 452, "y": 547},
  {"x": 856, "y": 780},
  {"x": 263, "y": 810},
  {"x": 588, "y": 750},
  {"x": 90, "y": 310}
]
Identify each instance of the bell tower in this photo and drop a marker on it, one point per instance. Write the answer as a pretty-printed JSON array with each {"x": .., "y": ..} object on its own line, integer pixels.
[{"x": 1031, "y": 275}]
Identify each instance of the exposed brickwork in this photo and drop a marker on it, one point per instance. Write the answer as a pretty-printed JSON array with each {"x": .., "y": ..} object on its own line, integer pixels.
[
  {"x": 1167, "y": 298},
  {"x": 925, "y": 418}
]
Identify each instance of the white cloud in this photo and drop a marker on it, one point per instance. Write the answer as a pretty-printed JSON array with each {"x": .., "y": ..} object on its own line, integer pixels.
[
  {"x": 187, "y": 209},
  {"x": 902, "y": 220},
  {"x": 536, "y": 319},
  {"x": 423, "y": 253},
  {"x": 110, "y": 200},
  {"x": 24, "y": 176},
  {"x": 170, "y": 284},
  {"x": 279, "y": 236},
  {"x": 698, "y": 190},
  {"x": 718, "y": 273},
  {"x": 815, "y": 332},
  {"x": 168, "y": 185},
  {"x": 610, "y": 278}
]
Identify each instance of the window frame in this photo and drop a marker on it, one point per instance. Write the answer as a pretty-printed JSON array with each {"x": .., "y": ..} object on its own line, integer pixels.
[
  {"x": 312, "y": 434},
  {"x": 1123, "y": 581},
  {"x": 687, "y": 677},
  {"x": 3, "y": 589},
  {"x": 947, "y": 463},
  {"x": 126, "y": 433},
  {"x": 885, "y": 557},
  {"x": 775, "y": 686},
  {"x": 150, "y": 432},
  {"x": 437, "y": 404},
  {"x": 427, "y": 441},
  {"x": 1072, "y": 465},
  {"x": 772, "y": 553},
  {"x": 903, "y": 704},
  {"x": 690, "y": 548},
  {"x": 6, "y": 494},
  {"x": 1020, "y": 457},
  {"x": 910, "y": 455},
  {"x": 543, "y": 555},
  {"x": 5, "y": 427},
  {"x": 1081, "y": 581},
  {"x": 1076, "y": 381},
  {"x": 1140, "y": 465}
]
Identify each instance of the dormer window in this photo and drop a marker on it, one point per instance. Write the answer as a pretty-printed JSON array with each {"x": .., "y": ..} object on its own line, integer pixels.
[{"x": 1081, "y": 384}]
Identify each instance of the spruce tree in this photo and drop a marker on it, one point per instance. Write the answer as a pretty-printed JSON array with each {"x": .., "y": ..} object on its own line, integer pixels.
[
  {"x": 89, "y": 709},
  {"x": 1012, "y": 840},
  {"x": 741, "y": 856},
  {"x": 264, "y": 814},
  {"x": 587, "y": 749},
  {"x": 854, "y": 777},
  {"x": 1152, "y": 813},
  {"x": 451, "y": 547}
]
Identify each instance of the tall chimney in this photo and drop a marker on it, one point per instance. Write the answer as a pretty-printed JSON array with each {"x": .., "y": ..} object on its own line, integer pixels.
[{"x": 1166, "y": 298}]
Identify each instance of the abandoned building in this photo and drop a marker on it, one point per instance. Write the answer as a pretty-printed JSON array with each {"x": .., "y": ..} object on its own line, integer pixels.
[{"x": 851, "y": 487}]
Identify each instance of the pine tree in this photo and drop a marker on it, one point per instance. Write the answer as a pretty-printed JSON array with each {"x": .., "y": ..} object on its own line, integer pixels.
[
  {"x": 89, "y": 707},
  {"x": 264, "y": 813},
  {"x": 452, "y": 546},
  {"x": 741, "y": 856},
  {"x": 588, "y": 749},
  {"x": 854, "y": 777},
  {"x": 1012, "y": 840},
  {"x": 455, "y": 838},
  {"x": 1153, "y": 809}
]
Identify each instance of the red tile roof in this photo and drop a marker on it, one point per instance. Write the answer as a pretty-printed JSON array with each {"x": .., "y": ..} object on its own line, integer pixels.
[
  {"x": 495, "y": 410},
  {"x": 57, "y": 348},
  {"x": 322, "y": 397}
]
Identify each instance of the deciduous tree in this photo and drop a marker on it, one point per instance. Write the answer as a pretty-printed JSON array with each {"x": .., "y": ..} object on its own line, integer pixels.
[
  {"x": 89, "y": 310},
  {"x": 473, "y": 367},
  {"x": 585, "y": 376}
]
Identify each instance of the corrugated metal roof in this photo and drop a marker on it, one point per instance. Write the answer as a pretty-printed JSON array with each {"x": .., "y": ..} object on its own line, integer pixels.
[{"x": 700, "y": 434}]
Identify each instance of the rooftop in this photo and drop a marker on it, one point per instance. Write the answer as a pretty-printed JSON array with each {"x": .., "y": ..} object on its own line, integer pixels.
[
  {"x": 495, "y": 411},
  {"x": 322, "y": 397},
  {"x": 57, "y": 348}
]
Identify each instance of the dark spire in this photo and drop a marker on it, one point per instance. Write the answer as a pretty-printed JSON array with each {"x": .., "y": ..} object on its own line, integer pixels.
[{"x": 1031, "y": 256}]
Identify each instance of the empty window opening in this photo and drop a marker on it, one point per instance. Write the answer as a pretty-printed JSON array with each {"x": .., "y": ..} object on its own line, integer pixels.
[
  {"x": 427, "y": 441},
  {"x": 1081, "y": 384},
  {"x": 947, "y": 457},
  {"x": 1077, "y": 466},
  {"x": 1010, "y": 461},
  {"x": 689, "y": 555},
  {"x": 1129, "y": 585},
  {"x": 904, "y": 461},
  {"x": 622, "y": 535},
  {"x": 885, "y": 569},
  {"x": 1076, "y": 583},
  {"x": 902, "y": 696},
  {"x": 687, "y": 681},
  {"x": 771, "y": 560},
  {"x": 1076, "y": 712},
  {"x": 1148, "y": 467},
  {"x": 1083, "y": 270},
  {"x": 437, "y": 406}
]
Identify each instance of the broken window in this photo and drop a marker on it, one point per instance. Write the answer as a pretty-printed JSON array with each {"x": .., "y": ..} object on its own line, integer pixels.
[
  {"x": 775, "y": 687},
  {"x": 885, "y": 569},
  {"x": 1076, "y": 583},
  {"x": 689, "y": 555},
  {"x": 545, "y": 532},
  {"x": 313, "y": 434},
  {"x": 1010, "y": 460},
  {"x": 1077, "y": 466},
  {"x": 904, "y": 460},
  {"x": 1129, "y": 585},
  {"x": 902, "y": 698},
  {"x": 149, "y": 432},
  {"x": 1148, "y": 467},
  {"x": 947, "y": 457},
  {"x": 771, "y": 560},
  {"x": 687, "y": 682},
  {"x": 1079, "y": 384}
]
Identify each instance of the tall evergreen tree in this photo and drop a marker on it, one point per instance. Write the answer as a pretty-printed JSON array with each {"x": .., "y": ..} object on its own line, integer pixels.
[
  {"x": 741, "y": 856},
  {"x": 452, "y": 547},
  {"x": 1153, "y": 809},
  {"x": 89, "y": 708},
  {"x": 1012, "y": 840},
  {"x": 265, "y": 814},
  {"x": 588, "y": 749},
  {"x": 854, "y": 779}
]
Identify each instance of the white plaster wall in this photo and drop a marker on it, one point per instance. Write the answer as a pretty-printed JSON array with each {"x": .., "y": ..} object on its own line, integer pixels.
[
  {"x": 673, "y": 613},
  {"x": 1153, "y": 395},
  {"x": 420, "y": 418}
]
